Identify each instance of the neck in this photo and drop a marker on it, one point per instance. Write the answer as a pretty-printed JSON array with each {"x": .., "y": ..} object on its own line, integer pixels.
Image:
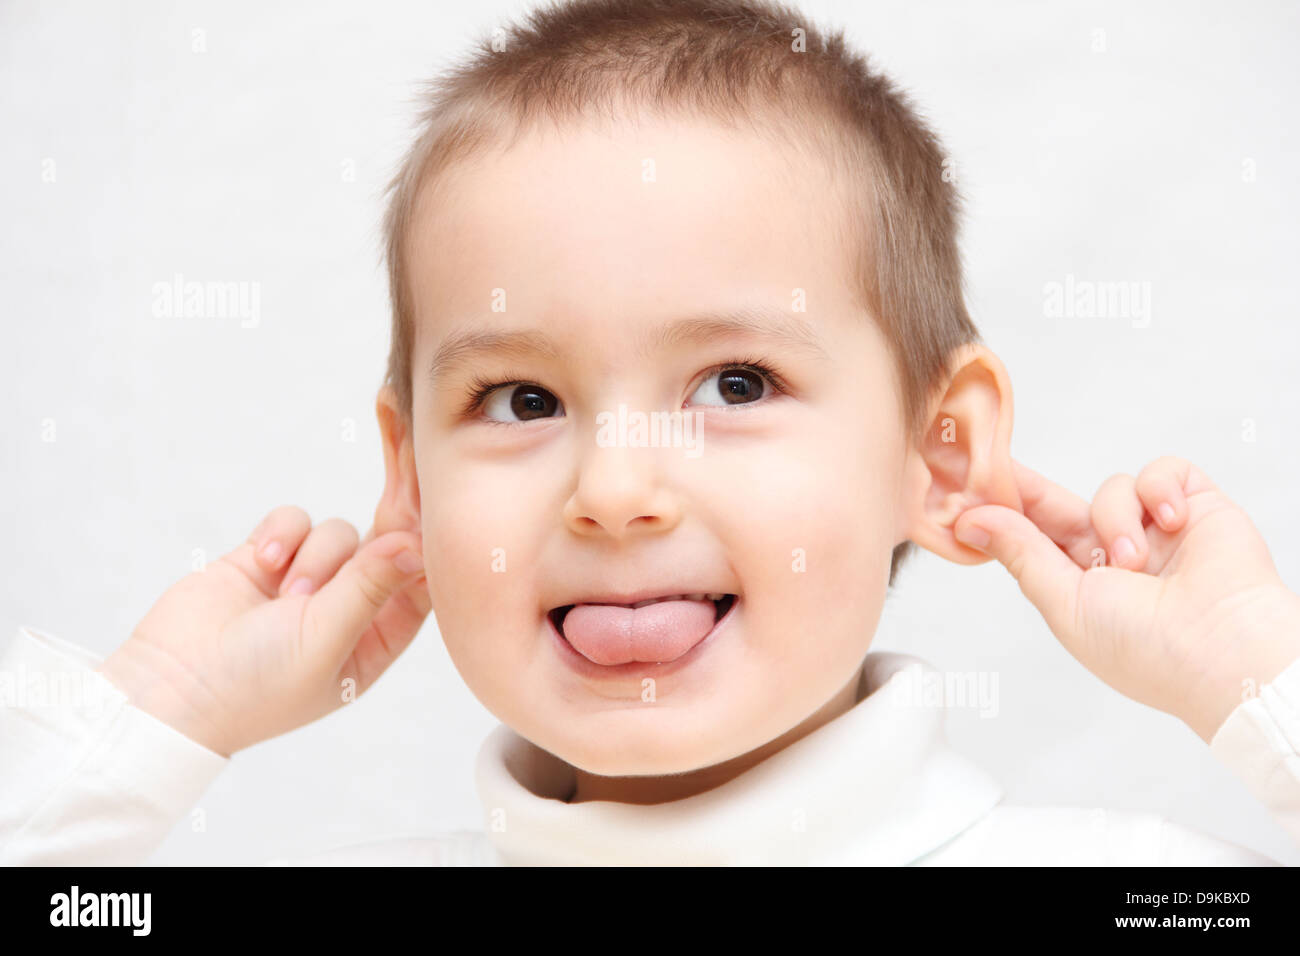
[{"x": 679, "y": 786}]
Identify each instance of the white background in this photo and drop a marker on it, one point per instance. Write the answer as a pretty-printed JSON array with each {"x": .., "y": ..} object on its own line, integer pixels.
[{"x": 174, "y": 435}]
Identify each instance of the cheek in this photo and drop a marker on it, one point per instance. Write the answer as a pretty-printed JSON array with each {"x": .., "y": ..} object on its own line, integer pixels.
[
  {"x": 475, "y": 523},
  {"x": 832, "y": 568},
  {"x": 480, "y": 528},
  {"x": 811, "y": 537},
  {"x": 485, "y": 526}
]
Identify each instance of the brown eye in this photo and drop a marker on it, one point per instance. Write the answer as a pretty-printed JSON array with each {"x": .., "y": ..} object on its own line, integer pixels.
[
  {"x": 731, "y": 386},
  {"x": 523, "y": 402}
]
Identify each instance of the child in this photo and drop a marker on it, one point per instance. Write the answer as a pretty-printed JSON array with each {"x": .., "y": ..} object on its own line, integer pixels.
[{"x": 680, "y": 371}]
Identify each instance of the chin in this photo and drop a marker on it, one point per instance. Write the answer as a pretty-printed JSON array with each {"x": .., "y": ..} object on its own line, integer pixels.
[
  {"x": 636, "y": 765},
  {"x": 646, "y": 750}
]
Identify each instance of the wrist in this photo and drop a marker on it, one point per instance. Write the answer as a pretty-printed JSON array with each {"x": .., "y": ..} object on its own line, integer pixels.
[
  {"x": 1265, "y": 643},
  {"x": 161, "y": 697}
]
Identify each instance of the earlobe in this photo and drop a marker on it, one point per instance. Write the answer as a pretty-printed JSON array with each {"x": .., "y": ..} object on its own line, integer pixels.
[
  {"x": 964, "y": 458},
  {"x": 399, "y": 506}
]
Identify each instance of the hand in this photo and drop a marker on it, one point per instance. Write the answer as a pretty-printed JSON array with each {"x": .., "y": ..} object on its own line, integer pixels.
[
  {"x": 1162, "y": 587},
  {"x": 236, "y": 653}
]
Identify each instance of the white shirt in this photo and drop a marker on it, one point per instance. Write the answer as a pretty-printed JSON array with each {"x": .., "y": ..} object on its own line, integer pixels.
[{"x": 87, "y": 778}]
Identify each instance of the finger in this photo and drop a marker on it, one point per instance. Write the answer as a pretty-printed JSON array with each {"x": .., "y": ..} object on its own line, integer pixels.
[
  {"x": 347, "y": 604},
  {"x": 390, "y": 633},
  {"x": 278, "y": 536},
  {"x": 1047, "y": 576},
  {"x": 1117, "y": 515},
  {"x": 1160, "y": 488},
  {"x": 318, "y": 558},
  {"x": 1059, "y": 513},
  {"x": 268, "y": 549}
]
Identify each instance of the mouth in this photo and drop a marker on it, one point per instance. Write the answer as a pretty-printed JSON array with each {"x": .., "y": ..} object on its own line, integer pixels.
[
  {"x": 612, "y": 636},
  {"x": 721, "y": 605}
]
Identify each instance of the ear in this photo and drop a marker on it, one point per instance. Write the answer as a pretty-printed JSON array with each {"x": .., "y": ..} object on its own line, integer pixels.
[
  {"x": 964, "y": 458},
  {"x": 399, "y": 506}
]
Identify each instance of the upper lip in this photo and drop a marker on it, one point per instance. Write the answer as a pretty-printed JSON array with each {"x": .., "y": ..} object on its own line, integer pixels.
[{"x": 644, "y": 594}]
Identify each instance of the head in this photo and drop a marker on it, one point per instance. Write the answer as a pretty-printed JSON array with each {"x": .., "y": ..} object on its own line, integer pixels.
[{"x": 703, "y": 208}]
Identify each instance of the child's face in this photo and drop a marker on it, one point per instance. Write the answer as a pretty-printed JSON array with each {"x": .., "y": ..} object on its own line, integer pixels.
[{"x": 794, "y": 502}]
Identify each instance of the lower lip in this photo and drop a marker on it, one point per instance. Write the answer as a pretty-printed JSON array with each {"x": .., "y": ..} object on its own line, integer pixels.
[{"x": 637, "y": 669}]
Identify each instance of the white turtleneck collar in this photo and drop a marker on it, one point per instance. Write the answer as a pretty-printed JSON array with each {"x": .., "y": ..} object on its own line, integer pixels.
[{"x": 877, "y": 785}]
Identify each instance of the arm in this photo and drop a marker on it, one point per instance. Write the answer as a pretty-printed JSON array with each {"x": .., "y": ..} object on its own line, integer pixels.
[
  {"x": 86, "y": 778},
  {"x": 100, "y": 758},
  {"x": 1260, "y": 743},
  {"x": 1164, "y": 588}
]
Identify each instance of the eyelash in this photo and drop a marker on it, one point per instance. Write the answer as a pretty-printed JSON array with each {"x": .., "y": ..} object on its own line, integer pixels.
[{"x": 481, "y": 388}]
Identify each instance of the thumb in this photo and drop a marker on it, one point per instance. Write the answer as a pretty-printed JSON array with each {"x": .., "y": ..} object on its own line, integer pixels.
[
  {"x": 1047, "y": 576},
  {"x": 344, "y": 607}
]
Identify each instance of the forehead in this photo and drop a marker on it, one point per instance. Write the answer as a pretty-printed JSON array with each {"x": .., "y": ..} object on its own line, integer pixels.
[{"x": 634, "y": 220}]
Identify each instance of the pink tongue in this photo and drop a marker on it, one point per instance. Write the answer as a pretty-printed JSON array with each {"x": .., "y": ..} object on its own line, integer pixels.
[{"x": 663, "y": 631}]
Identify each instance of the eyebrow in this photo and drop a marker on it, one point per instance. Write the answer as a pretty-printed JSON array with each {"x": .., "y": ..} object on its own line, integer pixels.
[{"x": 782, "y": 328}]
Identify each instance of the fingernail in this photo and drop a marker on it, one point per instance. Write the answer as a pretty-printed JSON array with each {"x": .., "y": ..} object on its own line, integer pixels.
[
  {"x": 1123, "y": 550},
  {"x": 1166, "y": 512},
  {"x": 301, "y": 586},
  {"x": 973, "y": 536},
  {"x": 408, "y": 562},
  {"x": 271, "y": 552}
]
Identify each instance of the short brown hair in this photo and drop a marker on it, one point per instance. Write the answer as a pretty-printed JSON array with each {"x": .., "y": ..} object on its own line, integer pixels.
[{"x": 717, "y": 57}]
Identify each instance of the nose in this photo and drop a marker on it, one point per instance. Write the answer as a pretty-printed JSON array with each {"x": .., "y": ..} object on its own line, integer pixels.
[{"x": 619, "y": 494}]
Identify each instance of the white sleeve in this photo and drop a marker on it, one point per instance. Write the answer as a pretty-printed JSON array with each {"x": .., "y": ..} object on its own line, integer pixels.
[
  {"x": 1260, "y": 743},
  {"x": 1183, "y": 846},
  {"x": 86, "y": 778}
]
